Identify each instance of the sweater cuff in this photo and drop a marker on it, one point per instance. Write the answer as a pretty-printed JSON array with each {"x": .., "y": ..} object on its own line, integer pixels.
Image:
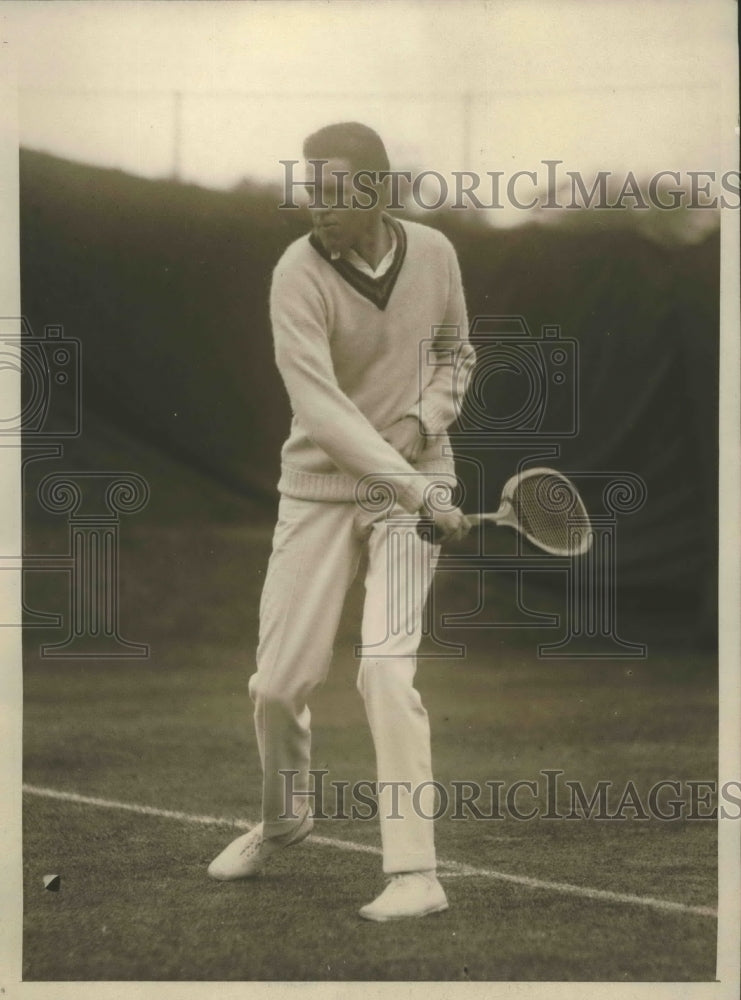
[
  {"x": 380, "y": 494},
  {"x": 411, "y": 494},
  {"x": 416, "y": 494},
  {"x": 432, "y": 420}
]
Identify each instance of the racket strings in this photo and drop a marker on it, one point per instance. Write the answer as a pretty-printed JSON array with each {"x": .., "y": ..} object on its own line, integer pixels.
[{"x": 550, "y": 512}]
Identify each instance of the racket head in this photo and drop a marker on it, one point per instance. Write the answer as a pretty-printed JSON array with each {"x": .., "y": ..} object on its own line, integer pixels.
[{"x": 548, "y": 511}]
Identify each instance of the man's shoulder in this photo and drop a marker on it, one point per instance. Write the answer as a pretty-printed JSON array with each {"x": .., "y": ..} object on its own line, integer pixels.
[
  {"x": 426, "y": 237},
  {"x": 298, "y": 254}
]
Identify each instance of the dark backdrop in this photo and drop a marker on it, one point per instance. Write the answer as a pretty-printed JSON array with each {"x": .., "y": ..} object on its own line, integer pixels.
[{"x": 166, "y": 287}]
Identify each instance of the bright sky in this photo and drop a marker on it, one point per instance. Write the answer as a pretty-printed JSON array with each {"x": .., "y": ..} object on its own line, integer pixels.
[{"x": 609, "y": 84}]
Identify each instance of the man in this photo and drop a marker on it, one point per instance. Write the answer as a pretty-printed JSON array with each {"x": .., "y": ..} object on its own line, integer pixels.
[{"x": 351, "y": 304}]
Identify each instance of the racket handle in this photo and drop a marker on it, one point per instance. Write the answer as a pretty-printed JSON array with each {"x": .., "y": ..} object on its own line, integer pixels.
[{"x": 483, "y": 518}]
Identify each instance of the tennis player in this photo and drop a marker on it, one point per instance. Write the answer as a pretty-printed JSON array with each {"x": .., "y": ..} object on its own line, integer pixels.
[{"x": 351, "y": 303}]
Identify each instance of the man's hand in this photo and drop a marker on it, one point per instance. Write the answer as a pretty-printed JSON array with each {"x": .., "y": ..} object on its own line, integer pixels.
[
  {"x": 406, "y": 437},
  {"x": 450, "y": 525}
]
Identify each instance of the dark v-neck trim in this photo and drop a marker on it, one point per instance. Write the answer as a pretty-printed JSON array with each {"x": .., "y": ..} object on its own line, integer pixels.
[{"x": 377, "y": 290}]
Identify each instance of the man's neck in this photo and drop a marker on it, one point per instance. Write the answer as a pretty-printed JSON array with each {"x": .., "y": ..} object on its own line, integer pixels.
[{"x": 375, "y": 243}]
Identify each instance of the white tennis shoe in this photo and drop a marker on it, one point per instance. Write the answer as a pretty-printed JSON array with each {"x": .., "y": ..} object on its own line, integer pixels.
[
  {"x": 409, "y": 894},
  {"x": 245, "y": 856}
]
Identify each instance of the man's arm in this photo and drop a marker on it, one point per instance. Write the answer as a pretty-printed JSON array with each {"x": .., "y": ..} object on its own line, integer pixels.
[{"x": 440, "y": 400}]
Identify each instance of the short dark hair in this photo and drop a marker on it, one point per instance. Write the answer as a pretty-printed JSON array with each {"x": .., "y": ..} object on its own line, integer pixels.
[{"x": 358, "y": 144}]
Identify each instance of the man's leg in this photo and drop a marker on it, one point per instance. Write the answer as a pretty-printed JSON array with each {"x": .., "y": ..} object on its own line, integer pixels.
[
  {"x": 314, "y": 559},
  {"x": 399, "y": 575}
]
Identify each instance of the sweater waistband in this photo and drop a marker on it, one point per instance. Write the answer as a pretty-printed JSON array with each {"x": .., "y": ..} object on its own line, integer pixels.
[{"x": 339, "y": 487}]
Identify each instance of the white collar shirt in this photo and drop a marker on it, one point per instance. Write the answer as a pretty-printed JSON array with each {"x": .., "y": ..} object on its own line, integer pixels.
[{"x": 354, "y": 258}]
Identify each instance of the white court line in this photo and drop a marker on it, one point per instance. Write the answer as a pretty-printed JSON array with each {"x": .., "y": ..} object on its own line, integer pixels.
[{"x": 450, "y": 869}]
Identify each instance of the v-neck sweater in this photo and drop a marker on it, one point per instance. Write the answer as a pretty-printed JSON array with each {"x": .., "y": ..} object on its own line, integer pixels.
[{"x": 357, "y": 354}]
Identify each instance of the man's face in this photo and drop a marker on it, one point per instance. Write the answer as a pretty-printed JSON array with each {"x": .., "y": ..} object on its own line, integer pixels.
[{"x": 338, "y": 226}]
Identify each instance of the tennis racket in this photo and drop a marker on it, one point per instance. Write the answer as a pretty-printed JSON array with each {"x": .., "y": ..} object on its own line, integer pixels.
[{"x": 545, "y": 507}]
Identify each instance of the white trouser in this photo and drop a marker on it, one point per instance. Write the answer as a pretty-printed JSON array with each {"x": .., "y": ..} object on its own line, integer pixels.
[{"x": 315, "y": 556}]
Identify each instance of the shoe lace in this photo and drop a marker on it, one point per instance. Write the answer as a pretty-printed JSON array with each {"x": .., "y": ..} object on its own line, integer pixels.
[
  {"x": 252, "y": 846},
  {"x": 398, "y": 881}
]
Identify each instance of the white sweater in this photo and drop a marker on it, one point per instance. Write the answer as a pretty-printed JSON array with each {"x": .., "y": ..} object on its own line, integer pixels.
[{"x": 351, "y": 350}]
